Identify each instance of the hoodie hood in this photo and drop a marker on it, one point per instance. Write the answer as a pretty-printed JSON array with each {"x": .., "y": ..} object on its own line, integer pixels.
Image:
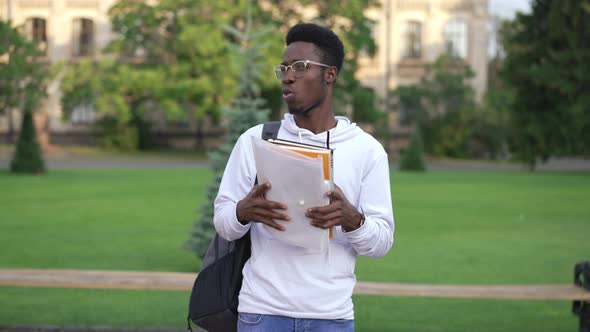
[{"x": 344, "y": 130}]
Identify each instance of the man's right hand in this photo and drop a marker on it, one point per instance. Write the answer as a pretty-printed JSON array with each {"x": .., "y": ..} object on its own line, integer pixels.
[{"x": 256, "y": 208}]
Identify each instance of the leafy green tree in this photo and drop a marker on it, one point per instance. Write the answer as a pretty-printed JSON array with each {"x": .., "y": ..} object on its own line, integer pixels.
[
  {"x": 182, "y": 42},
  {"x": 452, "y": 123},
  {"x": 22, "y": 77},
  {"x": 442, "y": 105},
  {"x": 548, "y": 67},
  {"x": 247, "y": 110},
  {"x": 178, "y": 50},
  {"x": 170, "y": 57},
  {"x": 121, "y": 94},
  {"x": 22, "y": 86}
]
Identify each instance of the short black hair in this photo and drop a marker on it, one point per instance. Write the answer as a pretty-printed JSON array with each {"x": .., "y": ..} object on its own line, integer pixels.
[{"x": 325, "y": 40}]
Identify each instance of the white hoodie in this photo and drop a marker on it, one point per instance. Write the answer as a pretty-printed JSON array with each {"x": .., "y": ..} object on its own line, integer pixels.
[{"x": 281, "y": 279}]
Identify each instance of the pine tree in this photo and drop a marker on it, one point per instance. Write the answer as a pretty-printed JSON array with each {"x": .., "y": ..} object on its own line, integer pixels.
[
  {"x": 547, "y": 66},
  {"x": 247, "y": 111},
  {"x": 28, "y": 157},
  {"x": 412, "y": 159}
]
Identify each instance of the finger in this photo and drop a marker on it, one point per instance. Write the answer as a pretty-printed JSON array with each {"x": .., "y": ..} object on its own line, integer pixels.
[
  {"x": 261, "y": 189},
  {"x": 275, "y": 215},
  {"x": 335, "y": 195},
  {"x": 324, "y": 216},
  {"x": 266, "y": 213},
  {"x": 272, "y": 223},
  {"x": 325, "y": 224},
  {"x": 335, "y": 206},
  {"x": 272, "y": 205}
]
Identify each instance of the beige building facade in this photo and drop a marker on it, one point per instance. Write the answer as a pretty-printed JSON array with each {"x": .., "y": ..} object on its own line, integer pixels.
[
  {"x": 409, "y": 35},
  {"x": 67, "y": 30},
  {"x": 413, "y": 33}
]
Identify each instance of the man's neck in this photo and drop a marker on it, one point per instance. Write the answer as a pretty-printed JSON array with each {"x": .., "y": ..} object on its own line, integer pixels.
[{"x": 317, "y": 121}]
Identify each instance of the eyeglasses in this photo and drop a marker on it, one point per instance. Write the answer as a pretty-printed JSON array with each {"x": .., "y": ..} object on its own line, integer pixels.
[{"x": 298, "y": 67}]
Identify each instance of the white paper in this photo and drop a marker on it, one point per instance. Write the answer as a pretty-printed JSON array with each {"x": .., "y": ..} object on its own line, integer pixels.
[{"x": 297, "y": 181}]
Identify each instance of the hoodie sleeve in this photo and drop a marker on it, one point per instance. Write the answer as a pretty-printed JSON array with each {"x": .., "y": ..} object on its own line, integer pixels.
[
  {"x": 237, "y": 181},
  {"x": 375, "y": 237}
]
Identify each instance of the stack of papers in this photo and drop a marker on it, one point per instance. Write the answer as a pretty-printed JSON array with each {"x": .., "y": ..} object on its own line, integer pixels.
[{"x": 300, "y": 175}]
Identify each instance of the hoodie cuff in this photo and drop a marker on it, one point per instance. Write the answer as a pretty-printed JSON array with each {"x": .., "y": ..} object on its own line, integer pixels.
[
  {"x": 236, "y": 226},
  {"x": 360, "y": 234}
]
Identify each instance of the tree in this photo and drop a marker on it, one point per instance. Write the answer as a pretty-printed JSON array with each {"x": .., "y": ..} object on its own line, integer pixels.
[
  {"x": 177, "y": 49},
  {"x": 27, "y": 157},
  {"x": 548, "y": 67},
  {"x": 120, "y": 94},
  {"x": 182, "y": 42},
  {"x": 20, "y": 72},
  {"x": 246, "y": 111},
  {"x": 22, "y": 85},
  {"x": 412, "y": 159},
  {"x": 169, "y": 57},
  {"x": 442, "y": 105}
]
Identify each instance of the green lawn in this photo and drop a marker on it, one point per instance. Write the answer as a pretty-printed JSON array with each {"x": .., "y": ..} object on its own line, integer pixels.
[
  {"x": 473, "y": 228},
  {"x": 97, "y": 219}
]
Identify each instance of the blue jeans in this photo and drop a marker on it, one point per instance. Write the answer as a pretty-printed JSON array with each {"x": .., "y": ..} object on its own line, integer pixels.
[{"x": 268, "y": 323}]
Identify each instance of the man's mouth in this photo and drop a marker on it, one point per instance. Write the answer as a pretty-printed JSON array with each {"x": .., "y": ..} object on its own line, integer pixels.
[{"x": 288, "y": 94}]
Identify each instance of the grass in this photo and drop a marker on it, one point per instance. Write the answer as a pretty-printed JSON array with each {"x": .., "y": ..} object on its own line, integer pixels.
[
  {"x": 486, "y": 228},
  {"x": 474, "y": 228},
  {"x": 157, "y": 309},
  {"x": 111, "y": 220}
]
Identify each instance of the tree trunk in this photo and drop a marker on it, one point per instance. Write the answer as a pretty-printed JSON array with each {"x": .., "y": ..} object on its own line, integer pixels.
[{"x": 10, "y": 134}]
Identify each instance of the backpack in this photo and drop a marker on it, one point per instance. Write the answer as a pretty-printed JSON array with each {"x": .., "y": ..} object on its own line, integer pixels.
[{"x": 213, "y": 303}]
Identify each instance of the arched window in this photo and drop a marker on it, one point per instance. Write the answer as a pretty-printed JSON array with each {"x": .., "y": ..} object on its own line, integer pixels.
[
  {"x": 36, "y": 29},
  {"x": 83, "y": 37},
  {"x": 455, "y": 36},
  {"x": 412, "y": 40}
]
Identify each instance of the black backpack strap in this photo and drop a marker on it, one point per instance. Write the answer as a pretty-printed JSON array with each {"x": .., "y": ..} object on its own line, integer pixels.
[{"x": 271, "y": 130}]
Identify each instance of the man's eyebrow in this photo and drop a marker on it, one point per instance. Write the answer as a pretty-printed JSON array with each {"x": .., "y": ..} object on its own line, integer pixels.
[{"x": 289, "y": 61}]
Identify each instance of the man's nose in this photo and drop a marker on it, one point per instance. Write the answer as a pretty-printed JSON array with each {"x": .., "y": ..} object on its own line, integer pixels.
[{"x": 288, "y": 76}]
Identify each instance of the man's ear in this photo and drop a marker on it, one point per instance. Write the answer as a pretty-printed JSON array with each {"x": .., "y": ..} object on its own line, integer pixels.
[{"x": 330, "y": 75}]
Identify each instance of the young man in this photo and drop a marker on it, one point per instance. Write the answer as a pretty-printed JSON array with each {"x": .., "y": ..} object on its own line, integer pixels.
[{"x": 287, "y": 288}]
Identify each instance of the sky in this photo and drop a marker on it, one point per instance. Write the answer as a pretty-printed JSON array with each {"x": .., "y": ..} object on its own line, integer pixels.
[{"x": 508, "y": 8}]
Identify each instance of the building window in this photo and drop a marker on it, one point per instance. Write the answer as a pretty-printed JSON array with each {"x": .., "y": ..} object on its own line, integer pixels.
[
  {"x": 36, "y": 29},
  {"x": 83, "y": 37},
  {"x": 455, "y": 36},
  {"x": 412, "y": 40},
  {"x": 83, "y": 114}
]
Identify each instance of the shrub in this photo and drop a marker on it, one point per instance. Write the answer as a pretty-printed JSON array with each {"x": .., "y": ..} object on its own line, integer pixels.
[
  {"x": 28, "y": 157},
  {"x": 412, "y": 159},
  {"x": 117, "y": 135}
]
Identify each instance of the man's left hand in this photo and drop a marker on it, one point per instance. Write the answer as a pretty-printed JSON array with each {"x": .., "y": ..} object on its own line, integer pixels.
[{"x": 338, "y": 212}]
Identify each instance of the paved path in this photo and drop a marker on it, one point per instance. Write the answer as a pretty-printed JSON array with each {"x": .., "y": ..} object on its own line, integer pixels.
[
  {"x": 108, "y": 161},
  {"x": 54, "y": 328},
  {"x": 184, "y": 281}
]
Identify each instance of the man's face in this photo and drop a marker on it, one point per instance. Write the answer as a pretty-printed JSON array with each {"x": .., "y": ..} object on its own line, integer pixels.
[{"x": 304, "y": 93}]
